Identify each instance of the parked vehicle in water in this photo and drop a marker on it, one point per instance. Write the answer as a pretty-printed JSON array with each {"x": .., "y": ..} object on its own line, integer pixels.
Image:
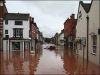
[{"x": 50, "y": 46}]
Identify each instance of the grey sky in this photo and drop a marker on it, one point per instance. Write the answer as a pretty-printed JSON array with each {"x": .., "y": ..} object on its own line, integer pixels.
[{"x": 49, "y": 15}]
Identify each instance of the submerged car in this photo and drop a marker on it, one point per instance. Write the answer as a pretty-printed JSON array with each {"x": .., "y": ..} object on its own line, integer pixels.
[{"x": 52, "y": 47}]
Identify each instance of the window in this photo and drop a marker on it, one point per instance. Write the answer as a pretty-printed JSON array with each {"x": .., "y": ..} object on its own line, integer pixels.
[
  {"x": 6, "y": 31},
  {"x": 6, "y": 21},
  {"x": 6, "y": 36},
  {"x": 18, "y": 23},
  {"x": 94, "y": 43},
  {"x": 18, "y": 32}
]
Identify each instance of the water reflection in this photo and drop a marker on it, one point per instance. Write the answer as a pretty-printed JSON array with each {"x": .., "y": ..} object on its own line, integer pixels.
[
  {"x": 50, "y": 63},
  {"x": 75, "y": 65},
  {"x": 44, "y": 61},
  {"x": 17, "y": 62}
]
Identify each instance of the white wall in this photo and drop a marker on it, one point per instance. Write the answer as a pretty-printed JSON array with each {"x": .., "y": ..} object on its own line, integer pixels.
[
  {"x": 94, "y": 25},
  {"x": 81, "y": 29},
  {"x": 5, "y": 45},
  {"x": 11, "y": 25},
  {"x": 61, "y": 37}
]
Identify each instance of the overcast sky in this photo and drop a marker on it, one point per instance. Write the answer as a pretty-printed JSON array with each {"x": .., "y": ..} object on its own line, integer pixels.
[{"x": 49, "y": 15}]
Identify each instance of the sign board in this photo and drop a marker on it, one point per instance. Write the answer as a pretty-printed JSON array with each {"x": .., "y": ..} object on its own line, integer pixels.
[{"x": 83, "y": 40}]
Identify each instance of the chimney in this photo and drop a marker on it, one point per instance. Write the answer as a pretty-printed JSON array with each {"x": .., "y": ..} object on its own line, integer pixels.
[
  {"x": 72, "y": 16},
  {"x": 33, "y": 19}
]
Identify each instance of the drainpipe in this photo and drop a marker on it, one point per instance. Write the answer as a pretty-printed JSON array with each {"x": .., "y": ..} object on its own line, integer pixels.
[
  {"x": 99, "y": 42},
  {"x": 87, "y": 36},
  {"x": 99, "y": 34}
]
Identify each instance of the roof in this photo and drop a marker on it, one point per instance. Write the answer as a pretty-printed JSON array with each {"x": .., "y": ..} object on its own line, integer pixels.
[
  {"x": 86, "y": 6},
  {"x": 5, "y": 8},
  {"x": 16, "y": 16}
]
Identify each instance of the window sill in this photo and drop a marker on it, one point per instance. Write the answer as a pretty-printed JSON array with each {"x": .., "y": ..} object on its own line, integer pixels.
[{"x": 93, "y": 54}]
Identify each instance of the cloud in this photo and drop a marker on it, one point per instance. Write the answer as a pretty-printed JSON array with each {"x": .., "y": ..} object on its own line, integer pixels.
[{"x": 49, "y": 15}]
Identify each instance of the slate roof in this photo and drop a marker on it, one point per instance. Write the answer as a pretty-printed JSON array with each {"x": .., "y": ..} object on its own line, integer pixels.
[
  {"x": 86, "y": 6},
  {"x": 16, "y": 16}
]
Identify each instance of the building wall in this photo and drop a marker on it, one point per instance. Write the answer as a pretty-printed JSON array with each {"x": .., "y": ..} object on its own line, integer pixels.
[
  {"x": 81, "y": 30},
  {"x": 94, "y": 25},
  {"x": 11, "y": 25},
  {"x": 61, "y": 37},
  {"x": 69, "y": 25},
  {"x": 2, "y": 11},
  {"x": 70, "y": 31}
]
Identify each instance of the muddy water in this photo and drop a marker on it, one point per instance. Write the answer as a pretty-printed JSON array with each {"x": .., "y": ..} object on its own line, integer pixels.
[{"x": 45, "y": 61}]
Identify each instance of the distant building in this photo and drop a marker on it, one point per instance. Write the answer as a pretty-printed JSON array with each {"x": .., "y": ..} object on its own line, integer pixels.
[
  {"x": 70, "y": 31},
  {"x": 61, "y": 38},
  {"x": 56, "y": 39},
  {"x": 3, "y": 10},
  {"x": 16, "y": 32}
]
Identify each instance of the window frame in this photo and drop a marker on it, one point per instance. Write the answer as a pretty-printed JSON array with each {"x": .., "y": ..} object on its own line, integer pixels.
[
  {"x": 18, "y": 32},
  {"x": 6, "y": 31},
  {"x": 94, "y": 44},
  {"x": 6, "y": 22},
  {"x": 18, "y": 22}
]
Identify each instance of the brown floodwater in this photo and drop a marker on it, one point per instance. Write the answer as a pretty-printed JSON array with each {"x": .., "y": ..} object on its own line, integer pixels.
[{"x": 45, "y": 61}]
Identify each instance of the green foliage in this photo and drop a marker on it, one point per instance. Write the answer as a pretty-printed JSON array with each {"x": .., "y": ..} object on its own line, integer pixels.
[{"x": 47, "y": 40}]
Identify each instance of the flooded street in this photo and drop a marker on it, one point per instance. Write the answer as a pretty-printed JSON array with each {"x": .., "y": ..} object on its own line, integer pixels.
[{"x": 45, "y": 61}]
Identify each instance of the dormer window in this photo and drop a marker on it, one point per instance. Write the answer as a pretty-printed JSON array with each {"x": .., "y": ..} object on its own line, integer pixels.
[{"x": 18, "y": 22}]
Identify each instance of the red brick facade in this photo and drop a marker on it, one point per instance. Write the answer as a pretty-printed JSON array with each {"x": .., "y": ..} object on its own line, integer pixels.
[
  {"x": 3, "y": 10},
  {"x": 70, "y": 29},
  {"x": 33, "y": 28}
]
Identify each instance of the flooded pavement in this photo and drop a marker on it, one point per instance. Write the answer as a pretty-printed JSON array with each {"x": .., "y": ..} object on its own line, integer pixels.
[{"x": 45, "y": 61}]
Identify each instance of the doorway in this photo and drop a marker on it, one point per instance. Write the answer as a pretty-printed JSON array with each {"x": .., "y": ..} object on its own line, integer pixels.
[{"x": 16, "y": 45}]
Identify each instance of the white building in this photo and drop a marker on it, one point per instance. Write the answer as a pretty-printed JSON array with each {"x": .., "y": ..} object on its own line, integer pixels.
[
  {"x": 88, "y": 31},
  {"x": 81, "y": 29},
  {"x": 61, "y": 38},
  {"x": 94, "y": 32},
  {"x": 16, "y": 32}
]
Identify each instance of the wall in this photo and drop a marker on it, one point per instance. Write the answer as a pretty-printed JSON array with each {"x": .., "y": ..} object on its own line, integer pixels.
[
  {"x": 94, "y": 25},
  {"x": 81, "y": 30},
  {"x": 11, "y": 25},
  {"x": 61, "y": 38},
  {"x": 1, "y": 23}
]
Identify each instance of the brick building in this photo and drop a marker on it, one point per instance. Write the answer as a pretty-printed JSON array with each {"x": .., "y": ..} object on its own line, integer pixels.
[
  {"x": 3, "y": 10},
  {"x": 33, "y": 33},
  {"x": 70, "y": 31}
]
